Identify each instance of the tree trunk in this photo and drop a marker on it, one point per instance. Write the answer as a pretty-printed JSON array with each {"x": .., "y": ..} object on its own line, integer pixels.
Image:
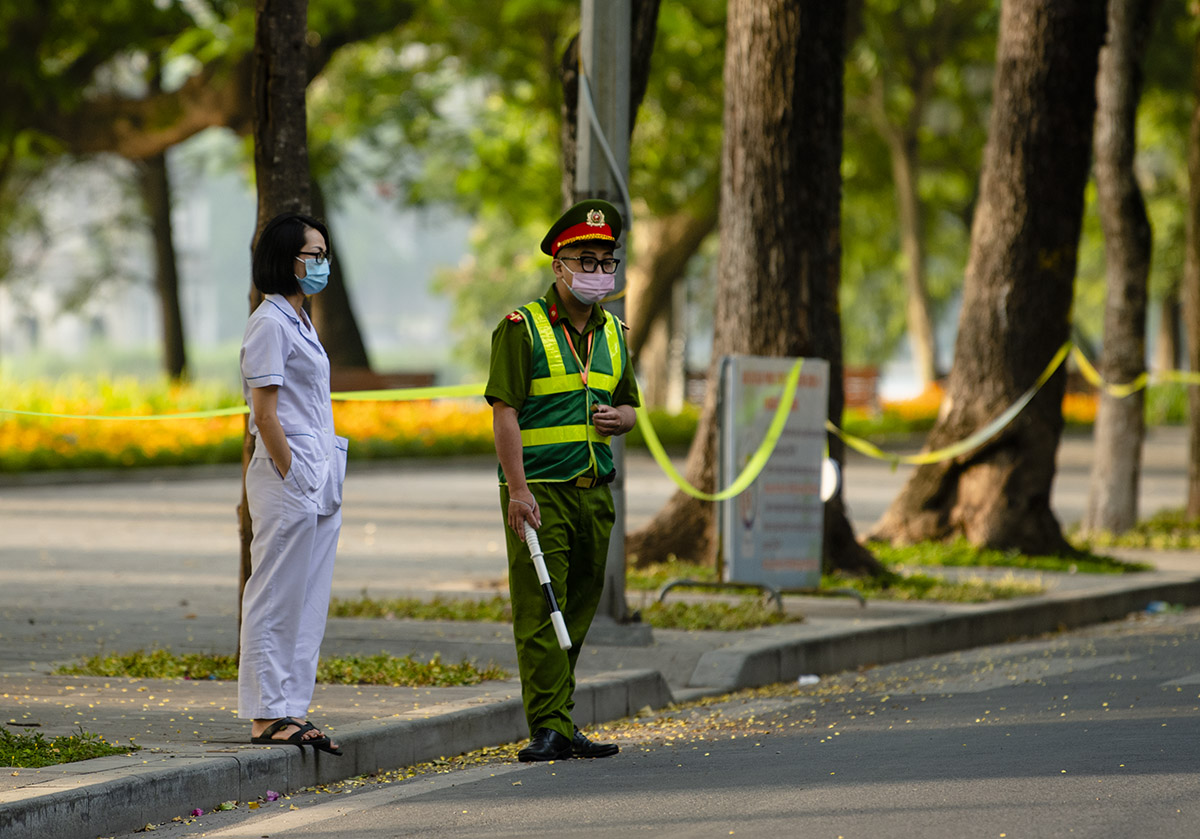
[
  {"x": 155, "y": 184},
  {"x": 1120, "y": 423},
  {"x": 780, "y": 237},
  {"x": 1190, "y": 291},
  {"x": 1170, "y": 332},
  {"x": 1017, "y": 292},
  {"x": 280, "y": 160},
  {"x": 921, "y": 336},
  {"x": 332, "y": 313}
]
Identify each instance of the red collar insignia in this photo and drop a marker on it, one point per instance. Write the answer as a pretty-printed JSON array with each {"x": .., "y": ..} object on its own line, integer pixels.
[{"x": 553, "y": 313}]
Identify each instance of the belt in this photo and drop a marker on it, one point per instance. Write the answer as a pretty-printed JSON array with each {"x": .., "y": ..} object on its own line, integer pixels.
[{"x": 588, "y": 482}]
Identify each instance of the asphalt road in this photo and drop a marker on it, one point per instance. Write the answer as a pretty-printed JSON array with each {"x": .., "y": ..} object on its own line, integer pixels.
[
  {"x": 153, "y": 539},
  {"x": 1090, "y": 734}
]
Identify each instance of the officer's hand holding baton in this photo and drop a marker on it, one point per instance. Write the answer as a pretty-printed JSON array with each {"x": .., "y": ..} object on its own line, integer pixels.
[{"x": 521, "y": 510}]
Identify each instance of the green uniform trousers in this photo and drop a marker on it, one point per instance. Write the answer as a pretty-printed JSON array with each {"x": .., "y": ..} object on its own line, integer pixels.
[{"x": 576, "y": 525}]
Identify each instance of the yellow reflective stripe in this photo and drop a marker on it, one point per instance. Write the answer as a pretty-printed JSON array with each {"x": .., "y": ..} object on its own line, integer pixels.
[
  {"x": 612, "y": 329},
  {"x": 549, "y": 344},
  {"x": 570, "y": 382},
  {"x": 561, "y": 434}
]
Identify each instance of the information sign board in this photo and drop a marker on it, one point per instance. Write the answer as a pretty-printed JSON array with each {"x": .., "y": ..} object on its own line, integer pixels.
[{"x": 771, "y": 533}]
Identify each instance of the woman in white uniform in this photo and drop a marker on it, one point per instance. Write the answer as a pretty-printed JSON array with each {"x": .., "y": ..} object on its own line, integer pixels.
[{"x": 293, "y": 487}]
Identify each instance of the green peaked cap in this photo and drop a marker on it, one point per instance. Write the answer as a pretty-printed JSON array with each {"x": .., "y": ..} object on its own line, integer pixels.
[{"x": 592, "y": 219}]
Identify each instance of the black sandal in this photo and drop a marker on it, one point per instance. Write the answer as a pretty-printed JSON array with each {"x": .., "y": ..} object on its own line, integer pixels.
[
  {"x": 327, "y": 745},
  {"x": 297, "y": 739}
]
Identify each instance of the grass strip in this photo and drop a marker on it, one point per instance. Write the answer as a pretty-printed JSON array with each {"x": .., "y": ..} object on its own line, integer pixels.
[
  {"x": 918, "y": 586},
  {"x": 748, "y": 614},
  {"x": 496, "y": 609},
  {"x": 381, "y": 669},
  {"x": 897, "y": 586},
  {"x": 962, "y": 554},
  {"x": 33, "y": 750},
  {"x": 1165, "y": 530}
]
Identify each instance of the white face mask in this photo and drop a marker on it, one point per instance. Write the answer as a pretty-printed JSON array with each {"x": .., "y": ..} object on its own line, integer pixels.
[{"x": 591, "y": 288}]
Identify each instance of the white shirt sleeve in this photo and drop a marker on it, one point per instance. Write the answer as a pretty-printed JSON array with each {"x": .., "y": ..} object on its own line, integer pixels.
[{"x": 263, "y": 353}]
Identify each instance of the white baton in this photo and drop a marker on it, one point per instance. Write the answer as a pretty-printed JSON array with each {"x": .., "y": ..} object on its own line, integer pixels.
[{"x": 539, "y": 563}]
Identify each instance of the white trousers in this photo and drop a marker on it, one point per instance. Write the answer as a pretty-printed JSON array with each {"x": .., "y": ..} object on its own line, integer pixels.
[{"x": 286, "y": 601}]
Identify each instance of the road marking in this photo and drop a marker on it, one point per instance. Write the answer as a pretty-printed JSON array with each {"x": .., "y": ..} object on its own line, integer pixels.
[
  {"x": 1008, "y": 674},
  {"x": 256, "y": 826},
  {"x": 1194, "y": 679}
]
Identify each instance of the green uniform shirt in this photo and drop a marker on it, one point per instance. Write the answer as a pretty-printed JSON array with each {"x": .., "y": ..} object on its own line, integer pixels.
[{"x": 512, "y": 354}]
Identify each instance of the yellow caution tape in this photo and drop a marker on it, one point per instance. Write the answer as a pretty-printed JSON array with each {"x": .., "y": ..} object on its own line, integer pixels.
[
  {"x": 406, "y": 394},
  {"x": 757, "y": 461},
  {"x": 410, "y": 394},
  {"x": 1095, "y": 380},
  {"x": 1187, "y": 378},
  {"x": 216, "y": 412},
  {"x": 962, "y": 447}
]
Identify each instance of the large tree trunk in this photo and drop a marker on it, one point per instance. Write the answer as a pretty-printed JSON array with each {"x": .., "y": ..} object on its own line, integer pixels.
[
  {"x": 780, "y": 236},
  {"x": 1120, "y": 422},
  {"x": 1018, "y": 290},
  {"x": 156, "y": 195},
  {"x": 332, "y": 313},
  {"x": 280, "y": 160},
  {"x": 1190, "y": 291}
]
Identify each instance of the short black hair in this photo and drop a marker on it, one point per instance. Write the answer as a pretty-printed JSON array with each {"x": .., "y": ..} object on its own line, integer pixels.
[{"x": 273, "y": 269}]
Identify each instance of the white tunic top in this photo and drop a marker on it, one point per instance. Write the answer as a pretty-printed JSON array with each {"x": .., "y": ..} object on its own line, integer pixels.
[{"x": 281, "y": 349}]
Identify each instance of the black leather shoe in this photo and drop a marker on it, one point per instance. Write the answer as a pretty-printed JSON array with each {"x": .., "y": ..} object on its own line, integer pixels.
[
  {"x": 545, "y": 744},
  {"x": 581, "y": 746}
]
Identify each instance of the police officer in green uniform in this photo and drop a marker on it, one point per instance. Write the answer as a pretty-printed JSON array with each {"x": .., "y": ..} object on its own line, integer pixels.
[{"x": 560, "y": 385}]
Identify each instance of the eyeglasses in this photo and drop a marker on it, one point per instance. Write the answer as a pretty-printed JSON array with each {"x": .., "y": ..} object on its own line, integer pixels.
[
  {"x": 589, "y": 264},
  {"x": 320, "y": 257}
]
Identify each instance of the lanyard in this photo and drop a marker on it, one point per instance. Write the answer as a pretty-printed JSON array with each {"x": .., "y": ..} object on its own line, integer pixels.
[{"x": 583, "y": 367}]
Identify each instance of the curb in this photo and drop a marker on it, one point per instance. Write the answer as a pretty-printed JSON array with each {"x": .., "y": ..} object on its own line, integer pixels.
[
  {"x": 754, "y": 663},
  {"x": 121, "y": 797}
]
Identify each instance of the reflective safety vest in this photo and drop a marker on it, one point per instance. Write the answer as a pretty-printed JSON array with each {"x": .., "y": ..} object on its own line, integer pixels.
[{"x": 559, "y": 441}]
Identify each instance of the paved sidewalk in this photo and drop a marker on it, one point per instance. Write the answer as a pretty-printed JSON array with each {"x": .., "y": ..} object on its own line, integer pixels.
[{"x": 128, "y": 565}]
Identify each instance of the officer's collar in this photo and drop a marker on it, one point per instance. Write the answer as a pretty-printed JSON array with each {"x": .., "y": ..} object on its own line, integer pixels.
[{"x": 555, "y": 305}]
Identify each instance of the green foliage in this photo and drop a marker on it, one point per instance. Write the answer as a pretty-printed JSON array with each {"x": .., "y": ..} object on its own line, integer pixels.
[
  {"x": 1165, "y": 530},
  {"x": 674, "y": 430},
  {"x": 381, "y": 669},
  {"x": 495, "y": 153},
  {"x": 34, "y": 750},
  {"x": 1167, "y": 404},
  {"x": 496, "y": 609},
  {"x": 961, "y": 553},
  {"x": 945, "y": 51}
]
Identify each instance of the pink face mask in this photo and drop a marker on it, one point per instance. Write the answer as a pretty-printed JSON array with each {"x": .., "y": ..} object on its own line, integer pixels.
[{"x": 591, "y": 288}]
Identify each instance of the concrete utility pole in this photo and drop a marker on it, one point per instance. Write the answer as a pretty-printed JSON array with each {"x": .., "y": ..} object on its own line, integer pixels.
[{"x": 604, "y": 44}]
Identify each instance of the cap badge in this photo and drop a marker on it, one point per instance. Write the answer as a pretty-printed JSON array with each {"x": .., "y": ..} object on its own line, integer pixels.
[{"x": 595, "y": 218}]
